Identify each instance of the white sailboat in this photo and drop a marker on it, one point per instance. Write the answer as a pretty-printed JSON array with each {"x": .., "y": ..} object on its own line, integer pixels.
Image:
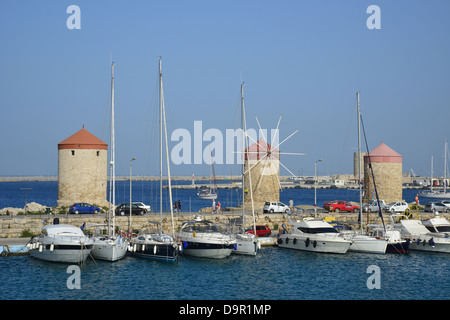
[
  {"x": 433, "y": 194},
  {"x": 153, "y": 243},
  {"x": 108, "y": 246},
  {"x": 362, "y": 242},
  {"x": 246, "y": 243},
  {"x": 210, "y": 193}
]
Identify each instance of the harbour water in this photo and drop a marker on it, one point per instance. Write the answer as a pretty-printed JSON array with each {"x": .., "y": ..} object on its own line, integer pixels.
[{"x": 275, "y": 274}]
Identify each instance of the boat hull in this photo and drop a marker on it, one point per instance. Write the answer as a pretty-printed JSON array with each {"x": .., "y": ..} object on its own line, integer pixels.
[
  {"x": 156, "y": 251},
  {"x": 207, "y": 249},
  {"x": 246, "y": 245},
  {"x": 398, "y": 247},
  {"x": 368, "y": 245},
  {"x": 430, "y": 244},
  {"x": 109, "y": 251},
  {"x": 313, "y": 243},
  {"x": 62, "y": 253}
]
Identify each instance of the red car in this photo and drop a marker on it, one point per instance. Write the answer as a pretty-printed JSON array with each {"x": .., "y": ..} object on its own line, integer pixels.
[{"x": 261, "y": 231}]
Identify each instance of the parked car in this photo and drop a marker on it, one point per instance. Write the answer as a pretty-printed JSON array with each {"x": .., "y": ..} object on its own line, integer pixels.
[
  {"x": 82, "y": 207},
  {"x": 261, "y": 231},
  {"x": 372, "y": 206},
  {"x": 124, "y": 209},
  {"x": 339, "y": 205},
  {"x": 396, "y": 206},
  {"x": 436, "y": 207},
  {"x": 274, "y": 206},
  {"x": 143, "y": 206}
]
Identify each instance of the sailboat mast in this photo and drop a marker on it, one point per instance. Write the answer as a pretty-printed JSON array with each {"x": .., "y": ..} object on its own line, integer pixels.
[
  {"x": 160, "y": 143},
  {"x": 112, "y": 158},
  {"x": 243, "y": 151},
  {"x": 445, "y": 168},
  {"x": 359, "y": 160}
]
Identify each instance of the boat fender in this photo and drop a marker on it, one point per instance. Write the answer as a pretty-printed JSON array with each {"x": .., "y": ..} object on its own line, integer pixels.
[
  {"x": 307, "y": 241},
  {"x": 143, "y": 247},
  {"x": 418, "y": 241},
  {"x": 431, "y": 242},
  {"x": 52, "y": 246},
  {"x": 314, "y": 243},
  {"x": 259, "y": 245},
  {"x": 40, "y": 248},
  {"x": 154, "y": 249},
  {"x": 287, "y": 240},
  {"x": 194, "y": 234},
  {"x": 235, "y": 246},
  {"x": 294, "y": 241},
  {"x": 280, "y": 241},
  {"x": 134, "y": 247}
]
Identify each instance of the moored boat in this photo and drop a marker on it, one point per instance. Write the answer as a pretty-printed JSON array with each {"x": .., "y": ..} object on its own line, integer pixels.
[
  {"x": 61, "y": 243},
  {"x": 202, "y": 238},
  {"x": 315, "y": 235}
]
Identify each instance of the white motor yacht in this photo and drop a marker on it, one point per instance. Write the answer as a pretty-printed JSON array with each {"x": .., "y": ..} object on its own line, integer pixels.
[
  {"x": 315, "y": 235},
  {"x": 202, "y": 238},
  {"x": 421, "y": 238},
  {"x": 61, "y": 243}
]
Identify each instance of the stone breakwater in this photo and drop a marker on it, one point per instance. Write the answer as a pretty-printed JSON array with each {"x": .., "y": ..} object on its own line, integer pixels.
[{"x": 16, "y": 226}]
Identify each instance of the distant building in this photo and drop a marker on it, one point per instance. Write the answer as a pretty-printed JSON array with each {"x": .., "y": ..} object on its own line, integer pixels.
[
  {"x": 82, "y": 169},
  {"x": 387, "y": 170}
]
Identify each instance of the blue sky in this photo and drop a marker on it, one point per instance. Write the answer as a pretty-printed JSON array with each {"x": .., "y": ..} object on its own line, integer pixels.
[{"x": 304, "y": 60}]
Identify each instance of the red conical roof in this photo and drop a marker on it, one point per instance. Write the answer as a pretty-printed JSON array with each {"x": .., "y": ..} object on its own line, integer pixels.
[
  {"x": 83, "y": 139},
  {"x": 383, "y": 153},
  {"x": 259, "y": 149}
]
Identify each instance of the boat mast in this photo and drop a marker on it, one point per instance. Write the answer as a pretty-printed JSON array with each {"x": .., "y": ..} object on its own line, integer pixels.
[
  {"x": 162, "y": 120},
  {"x": 160, "y": 145},
  {"x": 112, "y": 163},
  {"x": 445, "y": 168},
  {"x": 359, "y": 161},
  {"x": 244, "y": 139},
  {"x": 243, "y": 152}
]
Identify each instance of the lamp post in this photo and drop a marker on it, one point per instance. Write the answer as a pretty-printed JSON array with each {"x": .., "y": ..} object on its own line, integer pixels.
[
  {"x": 315, "y": 184},
  {"x": 131, "y": 161}
]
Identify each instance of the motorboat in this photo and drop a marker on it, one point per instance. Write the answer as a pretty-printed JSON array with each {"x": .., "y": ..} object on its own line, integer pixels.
[
  {"x": 421, "y": 238},
  {"x": 110, "y": 248},
  {"x": 153, "y": 245},
  {"x": 202, "y": 238},
  {"x": 316, "y": 235},
  {"x": 395, "y": 242},
  {"x": 61, "y": 243},
  {"x": 438, "y": 225}
]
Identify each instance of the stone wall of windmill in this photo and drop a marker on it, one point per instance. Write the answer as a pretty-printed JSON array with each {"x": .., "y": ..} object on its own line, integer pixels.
[
  {"x": 387, "y": 170},
  {"x": 263, "y": 178}
]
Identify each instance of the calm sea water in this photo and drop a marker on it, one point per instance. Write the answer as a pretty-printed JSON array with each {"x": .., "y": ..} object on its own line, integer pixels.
[{"x": 275, "y": 274}]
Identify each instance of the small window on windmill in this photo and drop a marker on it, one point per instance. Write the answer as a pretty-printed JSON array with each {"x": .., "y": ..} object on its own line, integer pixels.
[
  {"x": 98, "y": 153},
  {"x": 73, "y": 152}
]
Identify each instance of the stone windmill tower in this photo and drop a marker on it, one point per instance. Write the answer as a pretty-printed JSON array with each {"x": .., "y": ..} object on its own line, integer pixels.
[
  {"x": 387, "y": 169},
  {"x": 264, "y": 163},
  {"x": 82, "y": 169}
]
